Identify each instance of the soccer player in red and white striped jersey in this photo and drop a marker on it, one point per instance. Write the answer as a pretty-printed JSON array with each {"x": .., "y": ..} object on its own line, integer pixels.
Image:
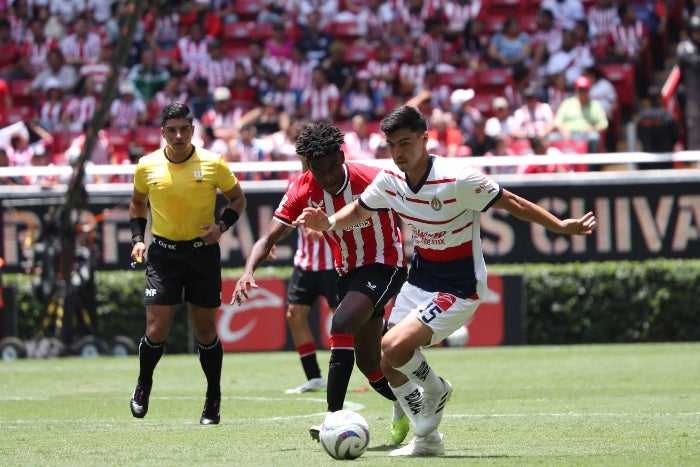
[
  {"x": 441, "y": 199},
  {"x": 369, "y": 257}
]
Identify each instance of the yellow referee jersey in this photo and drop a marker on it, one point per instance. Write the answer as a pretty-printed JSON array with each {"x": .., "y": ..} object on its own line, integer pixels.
[{"x": 182, "y": 196}]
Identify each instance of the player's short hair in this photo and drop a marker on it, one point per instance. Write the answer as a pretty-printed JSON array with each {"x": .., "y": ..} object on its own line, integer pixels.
[
  {"x": 176, "y": 110},
  {"x": 319, "y": 140},
  {"x": 404, "y": 117}
]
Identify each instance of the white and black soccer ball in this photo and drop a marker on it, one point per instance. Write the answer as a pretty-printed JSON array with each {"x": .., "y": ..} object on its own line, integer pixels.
[
  {"x": 344, "y": 434},
  {"x": 459, "y": 338}
]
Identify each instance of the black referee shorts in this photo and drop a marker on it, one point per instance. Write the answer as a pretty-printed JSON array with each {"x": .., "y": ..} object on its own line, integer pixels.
[
  {"x": 379, "y": 282},
  {"x": 305, "y": 287},
  {"x": 189, "y": 271}
]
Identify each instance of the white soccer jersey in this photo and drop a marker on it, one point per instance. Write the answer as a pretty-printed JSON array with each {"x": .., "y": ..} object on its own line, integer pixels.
[{"x": 443, "y": 213}]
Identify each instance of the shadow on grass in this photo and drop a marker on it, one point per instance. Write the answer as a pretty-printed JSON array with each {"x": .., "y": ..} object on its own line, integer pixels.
[{"x": 391, "y": 447}]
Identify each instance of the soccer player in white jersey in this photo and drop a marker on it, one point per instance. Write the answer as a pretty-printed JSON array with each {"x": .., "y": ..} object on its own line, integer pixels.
[{"x": 441, "y": 200}]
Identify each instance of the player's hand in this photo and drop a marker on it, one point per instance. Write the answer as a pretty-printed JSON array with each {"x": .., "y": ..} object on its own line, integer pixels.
[
  {"x": 582, "y": 226},
  {"x": 212, "y": 233},
  {"x": 313, "y": 218},
  {"x": 243, "y": 286}
]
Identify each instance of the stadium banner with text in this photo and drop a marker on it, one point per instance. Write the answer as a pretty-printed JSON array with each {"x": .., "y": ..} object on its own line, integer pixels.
[
  {"x": 636, "y": 221},
  {"x": 259, "y": 323}
]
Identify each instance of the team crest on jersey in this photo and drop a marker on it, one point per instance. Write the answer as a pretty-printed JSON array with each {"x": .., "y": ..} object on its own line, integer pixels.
[
  {"x": 435, "y": 203},
  {"x": 198, "y": 175}
]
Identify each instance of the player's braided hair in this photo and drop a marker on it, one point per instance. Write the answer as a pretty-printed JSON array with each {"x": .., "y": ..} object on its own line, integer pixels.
[
  {"x": 319, "y": 140},
  {"x": 404, "y": 117}
]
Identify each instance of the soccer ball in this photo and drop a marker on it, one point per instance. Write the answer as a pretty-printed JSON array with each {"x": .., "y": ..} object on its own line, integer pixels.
[
  {"x": 459, "y": 338},
  {"x": 344, "y": 434}
]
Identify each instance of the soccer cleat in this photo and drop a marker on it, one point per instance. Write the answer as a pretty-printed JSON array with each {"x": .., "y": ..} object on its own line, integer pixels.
[
  {"x": 312, "y": 385},
  {"x": 430, "y": 445},
  {"x": 139, "y": 401},
  {"x": 314, "y": 432},
  {"x": 430, "y": 414},
  {"x": 399, "y": 429},
  {"x": 210, "y": 414}
]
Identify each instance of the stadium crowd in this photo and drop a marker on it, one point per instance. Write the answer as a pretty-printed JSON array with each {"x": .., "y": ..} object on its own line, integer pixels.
[{"x": 496, "y": 77}]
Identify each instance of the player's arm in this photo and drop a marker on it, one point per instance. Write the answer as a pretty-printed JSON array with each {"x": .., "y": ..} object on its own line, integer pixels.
[
  {"x": 530, "y": 212},
  {"x": 138, "y": 215},
  {"x": 260, "y": 252},
  {"x": 349, "y": 215}
]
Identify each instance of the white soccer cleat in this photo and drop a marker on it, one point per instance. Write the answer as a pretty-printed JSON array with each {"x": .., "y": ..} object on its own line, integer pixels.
[
  {"x": 431, "y": 411},
  {"x": 312, "y": 385},
  {"x": 426, "y": 446}
]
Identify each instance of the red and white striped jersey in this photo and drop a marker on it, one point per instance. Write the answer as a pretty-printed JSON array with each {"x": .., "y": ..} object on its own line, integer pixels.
[
  {"x": 320, "y": 101},
  {"x": 37, "y": 53},
  {"x": 299, "y": 74},
  {"x": 458, "y": 14},
  {"x": 602, "y": 21},
  {"x": 535, "y": 121},
  {"x": 378, "y": 70},
  {"x": 313, "y": 253},
  {"x": 376, "y": 240},
  {"x": 629, "y": 38},
  {"x": 443, "y": 213},
  {"x": 190, "y": 52},
  {"x": 412, "y": 72},
  {"x": 50, "y": 114},
  {"x": 221, "y": 121},
  {"x": 77, "y": 50},
  {"x": 217, "y": 72},
  {"x": 126, "y": 114},
  {"x": 80, "y": 109}
]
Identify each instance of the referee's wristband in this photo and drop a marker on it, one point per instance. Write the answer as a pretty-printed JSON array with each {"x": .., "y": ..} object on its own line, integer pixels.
[
  {"x": 138, "y": 228},
  {"x": 331, "y": 221},
  {"x": 228, "y": 218}
]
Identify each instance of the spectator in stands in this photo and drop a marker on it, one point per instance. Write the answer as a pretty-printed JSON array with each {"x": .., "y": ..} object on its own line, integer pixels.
[
  {"x": 443, "y": 135},
  {"x": 51, "y": 110},
  {"x": 224, "y": 118},
  {"x": 67, "y": 10},
  {"x": 214, "y": 144},
  {"x": 174, "y": 91},
  {"x": 556, "y": 90},
  {"x": 268, "y": 118},
  {"x": 41, "y": 159},
  {"x": 5, "y": 102},
  {"x": 654, "y": 15},
  {"x": 521, "y": 80},
  {"x": 580, "y": 117},
  {"x": 326, "y": 10},
  {"x": 64, "y": 73},
  {"x": 283, "y": 143},
  {"x": 458, "y": 13},
  {"x": 102, "y": 152},
  {"x": 21, "y": 151},
  {"x": 81, "y": 44},
  {"x": 566, "y": 12},
  {"x": 431, "y": 94},
  {"x": 279, "y": 44},
  {"x": 191, "y": 49},
  {"x": 433, "y": 41},
  {"x": 511, "y": 46},
  {"x": 243, "y": 93},
  {"x": 629, "y": 43},
  {"x": 478, "y": 142},
  {"x": 338, "y": 71},
  {"x": 320, "y": 102},
  {"x": 541, "y": 147},
  {"x": 604, "y": 92},
  {"x": 283, "y": 97},
  {"x": 502, "y": 122},
  {"x": 298, "y": 70},
  {"x": 81, "y": 106},
  {"x": 602, "y": 17},
  {"x": 35, "y": 49},
  {"x": 314, "y": 41},
  {"x": 218, "y": 68},
  {"x": 247, "y": 148},
  {"x": 9, "y": 52},
  {"x": 377, "y": 19},
  {"x": 260, "y": 68},
  {"x": 99, "y": 67},
  {"x": 688, "y": 56},
  {"x": 200, "y": 100},
  {"x": 474, "y": 45},
  {"x": 571, "y": 59},
  {"x": 163, "y": 25},
  {"x": 546, "y": 41},
  {"x": 412, "y": 73},
  {"x": 361, "y": 99},
  {"x": 501, "y": 148},
  {"x": 127, "y": 110},
  {"x": 148, "y": 77},
  {"x": 465, "y": 113},
  {"x": 361, "y": 143},
  {"x": 383, "y": 70},
  {"x": 534, "y": 119},
  {"x": 19, "y": 17},
  {"x": 411, "y": 16},
  {"x": 657, "y": 129}
]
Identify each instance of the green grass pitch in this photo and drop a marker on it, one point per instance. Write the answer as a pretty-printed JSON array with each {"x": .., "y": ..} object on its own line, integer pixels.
[{"x": 569, "y": 405}]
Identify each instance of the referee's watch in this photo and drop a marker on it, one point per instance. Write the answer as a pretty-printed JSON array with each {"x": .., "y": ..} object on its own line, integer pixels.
[{"x": 222, "y": 226}]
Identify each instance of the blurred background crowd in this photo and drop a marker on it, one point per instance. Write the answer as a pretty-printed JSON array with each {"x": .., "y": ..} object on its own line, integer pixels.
[{"x": 494, "y": 77}]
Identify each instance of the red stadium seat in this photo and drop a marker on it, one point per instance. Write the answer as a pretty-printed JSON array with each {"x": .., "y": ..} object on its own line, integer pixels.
[
  {"x": 119, "y": 137},
  {"x": 493, "y": 80},
  {"x": 401, "y": 53},
  {"x": 148, "y": 137},
  {"x": 240, "y": 32},
  {"x": 20, "y": 113},
  {"x": 359, "y": 54},
  {"x": 248, "y": 9},
  {"x": 461, "y": 79},
  {"x": 346, "y": 31},
  {"x": 520, "y": 147},
  {"x": 483, "y": 103}
]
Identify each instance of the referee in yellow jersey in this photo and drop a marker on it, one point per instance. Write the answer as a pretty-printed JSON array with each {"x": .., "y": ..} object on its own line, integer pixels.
[{"x": 180, "y": 182}]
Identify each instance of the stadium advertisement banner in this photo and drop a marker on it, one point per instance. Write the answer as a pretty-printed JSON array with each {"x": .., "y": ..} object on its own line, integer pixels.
[
  {"x": 259, "y": 324},
  {"x": 636, "y": 221}
]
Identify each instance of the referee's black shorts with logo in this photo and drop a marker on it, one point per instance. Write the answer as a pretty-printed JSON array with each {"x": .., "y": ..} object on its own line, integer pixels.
[{"x": 187, "y": 271}]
